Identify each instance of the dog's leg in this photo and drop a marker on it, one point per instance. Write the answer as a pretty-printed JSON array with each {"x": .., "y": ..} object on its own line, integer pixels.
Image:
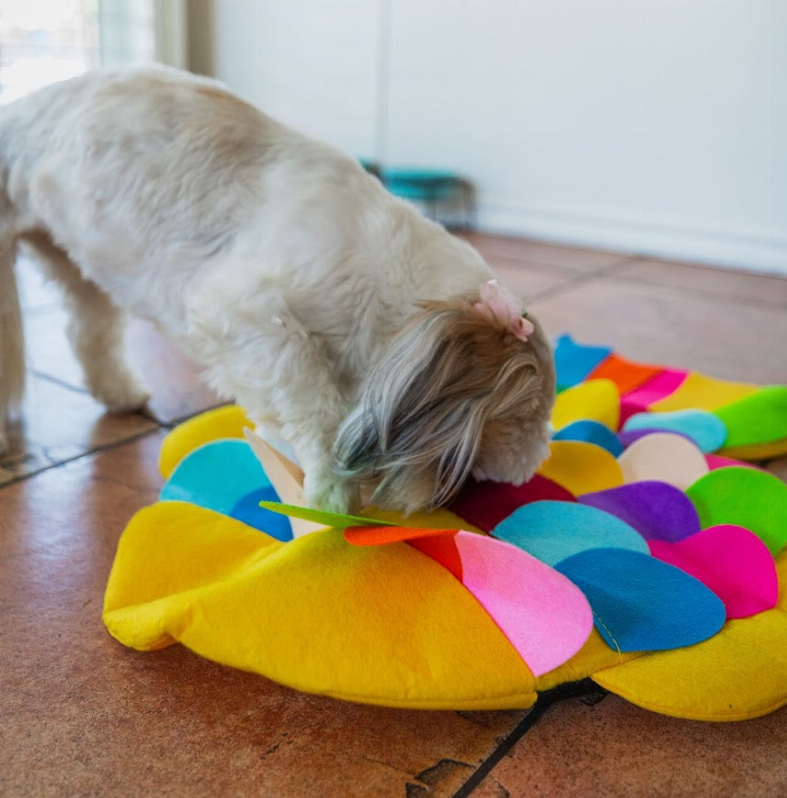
[
  {"x": 95, "y": 331},
  {"x": 12, "y": 350},
  {"x": 259, "y": 353}
]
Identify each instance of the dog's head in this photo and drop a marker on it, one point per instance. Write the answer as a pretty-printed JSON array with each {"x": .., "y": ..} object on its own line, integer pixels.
[{"x": 459, "y": 390}]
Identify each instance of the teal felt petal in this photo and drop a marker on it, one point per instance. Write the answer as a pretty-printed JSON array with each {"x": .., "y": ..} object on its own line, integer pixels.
[
  {"x": 554, "y": 530},
  {"x": 216, "y": 476},
  {"x": 574, "y": 362},
  {"x": 706, "y": 429},
  {"x": 643, "y": 604},
  {"x": 591, "y": 432}
]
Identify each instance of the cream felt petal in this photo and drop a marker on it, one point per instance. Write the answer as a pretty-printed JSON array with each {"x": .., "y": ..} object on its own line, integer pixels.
[
  {"x": 581, "y": 467},
  {"x": 595, "y": 400},
  {"x": 663, "y": 457}
]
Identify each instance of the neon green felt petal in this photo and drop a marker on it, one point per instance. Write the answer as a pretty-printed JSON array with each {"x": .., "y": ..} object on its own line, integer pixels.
[
  {"x": 746, "y": 497},
  {"x": 335, "y": 520},
  {"x": 755, "y": 419}
]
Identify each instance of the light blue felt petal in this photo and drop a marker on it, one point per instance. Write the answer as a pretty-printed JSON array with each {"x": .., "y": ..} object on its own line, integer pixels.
[
  {"x": 640, "y": 603},
  {"x": 216, "y": 476},
  {"x": 574, "y": 361},
  {"x": 591, "y": 432},
  {"x": 248, "y": 511},
  {"x": 554, "y": 530},
  {"x": 703, "y": 427}
]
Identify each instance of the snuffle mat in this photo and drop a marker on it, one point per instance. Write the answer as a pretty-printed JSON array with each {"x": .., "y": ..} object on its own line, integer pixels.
[{"x": 645, "y": 554}]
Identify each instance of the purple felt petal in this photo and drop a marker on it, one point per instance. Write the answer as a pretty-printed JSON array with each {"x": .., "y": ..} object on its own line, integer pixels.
[
  {"x": 732, "y": 561},
  {"x": 657, "y": 511}
]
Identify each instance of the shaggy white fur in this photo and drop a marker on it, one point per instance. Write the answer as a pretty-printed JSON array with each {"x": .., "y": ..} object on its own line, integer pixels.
[{"x": 281, "y": 267}]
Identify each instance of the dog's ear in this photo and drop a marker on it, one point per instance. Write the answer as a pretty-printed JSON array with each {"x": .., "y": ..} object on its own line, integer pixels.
[{"x": 417, "y": 428}]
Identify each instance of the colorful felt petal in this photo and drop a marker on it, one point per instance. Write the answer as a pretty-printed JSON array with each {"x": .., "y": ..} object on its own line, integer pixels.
[
  {"x": 528, "y": 600},
  {"x": 715, "y": 461},
  {"x": 626, "y": 374},
  {"x": 643, "y": 604},
  {"x": 657, "y": 510},
  {"x": 335, "y": 520},
  {"x": 755, "y": 419},
  {"x": 384, "y": 535},
  {"x": 591, "y": 432},
  {"x": 248, "y": 510},
  {"x": 596, "y": 400},
  {"x": 732, "y": 561},
  {"x": 738, "y": 674},
  {"x": 633, "y": 435},
  {"x": 704, "y": 428},
  {"x": 554, "y": 531},
  {"x": 581, "y": 467},
  {"x": 216, "y": 475},
  {"x": 376, "y": 624},
  {"x": 746, "y": 497},
  {"x": 659, "y": 387},
  {"x": 704, "y": 393},
  {"x": 758, "y": 451},
  {"x": 486, "y": 504},
  {"x": 664, "y": 457},
  {"x": 575, "y": 361},
  {"x": 223, "y": 422}
]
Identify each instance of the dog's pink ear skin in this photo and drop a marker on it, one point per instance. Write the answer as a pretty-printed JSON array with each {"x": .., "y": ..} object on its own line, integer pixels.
[{"x": 500, "y": 305}]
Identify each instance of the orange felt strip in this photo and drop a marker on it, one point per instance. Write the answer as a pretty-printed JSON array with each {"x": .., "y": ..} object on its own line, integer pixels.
[
  {"x": 380, "y": 535},
  {"x": 626, "y": 374}
]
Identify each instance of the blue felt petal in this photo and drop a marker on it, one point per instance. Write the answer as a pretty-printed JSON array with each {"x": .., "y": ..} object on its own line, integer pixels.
[
  {"x": 591, "y": 432},
  {"x": 554, "y": 530},
  {"x": 249, "y": 511},
  {"x": 643, "y": 604},
  {"x": 216, "y": 476},
  {"x": 706, "y": 429},
  {"x": 574, "y": 361}
]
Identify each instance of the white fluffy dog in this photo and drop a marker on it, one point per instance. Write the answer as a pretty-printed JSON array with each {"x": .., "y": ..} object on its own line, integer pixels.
[{"x": 344, "y": 322}]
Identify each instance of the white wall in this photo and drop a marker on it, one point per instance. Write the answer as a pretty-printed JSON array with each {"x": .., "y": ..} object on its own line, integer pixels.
[{"x": 653, "y": 126}]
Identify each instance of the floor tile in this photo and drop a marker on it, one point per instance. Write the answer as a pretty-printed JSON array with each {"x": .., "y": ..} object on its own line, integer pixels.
[
  {"x": 544, "y": 253},
  {"x": 528, "y": 279},
  {"x": 84, "y": 715},
  {"x": 667, "y": 326},
  {"x": 613, "y": 748},
  {"x": 35, "y": 293},
  {"x": 173, "y": 381},
  {"x": 736, "y": 285},
  {"x": 57, "y": 424}
]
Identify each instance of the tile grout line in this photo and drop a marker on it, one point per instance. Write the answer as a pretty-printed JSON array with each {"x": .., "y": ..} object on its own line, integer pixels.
[
  {"x": 57, "y": 381},
  {"x": 544, "y": 702},
  {"x": 582, "y": 278}
]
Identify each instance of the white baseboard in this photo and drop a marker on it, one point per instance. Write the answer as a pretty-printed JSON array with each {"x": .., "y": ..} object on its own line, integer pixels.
[{"x": 636, "y": 237}]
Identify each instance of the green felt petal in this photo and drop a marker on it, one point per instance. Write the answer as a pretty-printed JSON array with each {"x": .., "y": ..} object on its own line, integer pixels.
[
  {"x": 759, "y": 418},
  {"x": 746, "y": 497},
  {"x": 335, "y": 520}
]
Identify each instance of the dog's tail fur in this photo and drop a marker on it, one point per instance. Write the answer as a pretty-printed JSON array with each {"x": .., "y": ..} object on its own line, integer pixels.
[{"x": 12, "y": 350}]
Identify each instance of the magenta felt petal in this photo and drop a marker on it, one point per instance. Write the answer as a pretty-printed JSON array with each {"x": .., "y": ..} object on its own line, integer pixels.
[
  {"x": 660, "y": 387},
  {"x": 732, "y": 561}
]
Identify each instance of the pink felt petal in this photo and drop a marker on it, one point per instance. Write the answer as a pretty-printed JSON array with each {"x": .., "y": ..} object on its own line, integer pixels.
[
  {"x": 544, "y": 616},
  {"x": 660, "y": 387},
  {"x": 720, "y": 461},
  {"x": 486, "y": 504},
  {"x": 732, "y": 561}
]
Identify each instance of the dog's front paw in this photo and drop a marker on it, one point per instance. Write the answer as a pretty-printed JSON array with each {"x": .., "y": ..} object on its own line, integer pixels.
[
  {"x": 331, "y": 493},
  {"x": 123, "y": 397}
]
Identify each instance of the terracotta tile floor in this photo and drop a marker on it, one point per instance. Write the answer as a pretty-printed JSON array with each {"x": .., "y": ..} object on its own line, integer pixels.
[{"x": 80, "y": 715}]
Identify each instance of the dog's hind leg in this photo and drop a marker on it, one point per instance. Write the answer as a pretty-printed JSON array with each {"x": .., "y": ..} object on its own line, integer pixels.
[
  {"x": 95, "y": 330},
  {"x": 12, "y": 349}
]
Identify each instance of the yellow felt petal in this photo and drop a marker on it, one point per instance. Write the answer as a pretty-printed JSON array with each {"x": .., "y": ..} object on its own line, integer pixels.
[
  {"x": 223, "y": 422},
  {"x": 581, "y": 467},
  {"x": 739, "y": 673},
  {"x": 704, "y": 393},
  {"x": 383, "y": 625},
  {"x": 595, "y": 400},
  {"x": 757, "y": 451},
  {"x": 594, "y": 656}
]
